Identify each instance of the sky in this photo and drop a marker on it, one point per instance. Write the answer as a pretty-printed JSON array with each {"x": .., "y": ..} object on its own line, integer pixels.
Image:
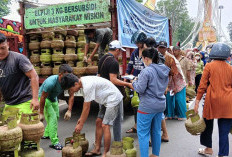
[{"x": 192, "y": 6}]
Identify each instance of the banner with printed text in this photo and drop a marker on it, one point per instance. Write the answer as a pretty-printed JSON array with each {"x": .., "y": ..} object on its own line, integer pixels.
[
  {"x": 132, "y": 16},
  {"x": 83, "y": 12}
]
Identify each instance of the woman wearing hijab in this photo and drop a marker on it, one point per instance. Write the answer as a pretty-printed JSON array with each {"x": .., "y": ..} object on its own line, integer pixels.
[
  {"x": 190, "y": 55},
  {"x": 203, "y": 57}
]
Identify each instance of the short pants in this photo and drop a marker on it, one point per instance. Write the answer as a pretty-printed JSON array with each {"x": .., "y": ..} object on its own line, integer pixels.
[{"x": 108, "y": 114}]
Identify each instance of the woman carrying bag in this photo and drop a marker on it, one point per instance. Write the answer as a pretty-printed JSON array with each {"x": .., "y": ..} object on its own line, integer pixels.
[
  {"x": 216, "y": 82},
  {"x": 151, "y": 85}
]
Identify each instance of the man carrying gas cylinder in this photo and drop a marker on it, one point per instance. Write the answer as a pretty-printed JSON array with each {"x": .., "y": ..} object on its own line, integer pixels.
[{"x": 19, "y": 83}]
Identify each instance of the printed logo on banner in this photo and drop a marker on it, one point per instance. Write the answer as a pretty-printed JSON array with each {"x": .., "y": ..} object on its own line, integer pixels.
[{"x": 133, "y": 16}]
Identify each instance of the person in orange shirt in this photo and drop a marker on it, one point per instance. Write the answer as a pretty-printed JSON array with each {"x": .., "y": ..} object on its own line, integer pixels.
[{"x": 216, "y": 82}]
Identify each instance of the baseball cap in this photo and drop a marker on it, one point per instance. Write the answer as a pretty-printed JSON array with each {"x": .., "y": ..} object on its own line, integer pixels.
[
  {"x": 116, "y": 45},
  {"x": 162, "y": 44}
]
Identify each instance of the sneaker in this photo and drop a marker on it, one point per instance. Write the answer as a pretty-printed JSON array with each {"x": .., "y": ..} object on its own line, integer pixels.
[{"x": 57, "y": 146}]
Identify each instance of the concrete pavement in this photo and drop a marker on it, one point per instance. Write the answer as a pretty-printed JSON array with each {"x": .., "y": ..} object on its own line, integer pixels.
[{"x": 181, "y": 143}]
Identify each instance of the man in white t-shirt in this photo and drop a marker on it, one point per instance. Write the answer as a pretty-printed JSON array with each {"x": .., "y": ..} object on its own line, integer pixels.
[{"x": 103, "y": 92}]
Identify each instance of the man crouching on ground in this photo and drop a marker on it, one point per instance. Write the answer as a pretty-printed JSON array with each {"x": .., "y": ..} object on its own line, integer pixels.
[{"x": 103, "y": 92}]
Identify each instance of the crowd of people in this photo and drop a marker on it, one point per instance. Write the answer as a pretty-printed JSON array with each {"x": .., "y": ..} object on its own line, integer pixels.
[{"x": 162, "y": 74}]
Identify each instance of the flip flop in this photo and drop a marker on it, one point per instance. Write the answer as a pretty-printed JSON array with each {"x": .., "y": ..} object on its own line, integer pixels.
[
  {"x": 132, "y": 130},
  {"x": 164, "y": 140},
  {"x": 92, "y": 154},
  {"x": 202, "y": 152}
]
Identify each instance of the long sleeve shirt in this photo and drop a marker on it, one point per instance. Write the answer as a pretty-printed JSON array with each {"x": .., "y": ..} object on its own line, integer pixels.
[
  {"x": 151, "y": 85},
  {"x": 216, "y": 82},
  {"x": 136, "y": 63}
]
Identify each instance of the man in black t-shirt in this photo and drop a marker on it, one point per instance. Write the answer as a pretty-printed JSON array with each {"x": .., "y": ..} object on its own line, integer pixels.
[
  {"x": 108, "y": 68},
  {"x": 19, "y": 84}
]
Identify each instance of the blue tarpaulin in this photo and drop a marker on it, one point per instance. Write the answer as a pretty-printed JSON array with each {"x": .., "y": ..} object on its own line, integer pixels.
[{"x": 133, "y": 16}]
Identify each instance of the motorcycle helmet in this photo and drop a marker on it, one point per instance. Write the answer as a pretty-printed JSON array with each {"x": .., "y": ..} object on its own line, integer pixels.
[
  {"x": 219, "y": 51},
  {"x": 138, "y": 37}
]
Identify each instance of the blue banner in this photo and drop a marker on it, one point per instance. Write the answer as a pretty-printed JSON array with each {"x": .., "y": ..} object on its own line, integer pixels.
[{"x": 133, "y": 16}]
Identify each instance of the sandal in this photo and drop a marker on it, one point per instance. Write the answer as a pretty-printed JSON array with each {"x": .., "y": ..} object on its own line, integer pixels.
[
  {"x": 202, "y": 152},
  {"x": 132, "y": 130},
  {"x": 164, "y": 140},
  {"x": 93, "y": 154},
  {"x": 57, "y": 146}
]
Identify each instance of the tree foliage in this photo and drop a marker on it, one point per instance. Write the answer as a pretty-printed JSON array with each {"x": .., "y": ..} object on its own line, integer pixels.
[
  {"x": 176, "y": 11},
  {"x": 4, "y": 7},
  {"x": 229, "y": 27}
]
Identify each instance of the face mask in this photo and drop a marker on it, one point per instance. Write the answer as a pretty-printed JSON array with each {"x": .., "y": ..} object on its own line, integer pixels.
[{"x": 197, "y": 57}]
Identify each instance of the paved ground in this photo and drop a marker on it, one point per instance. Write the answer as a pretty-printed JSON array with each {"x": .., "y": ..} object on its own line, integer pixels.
[{"x": 181, "y": 144}]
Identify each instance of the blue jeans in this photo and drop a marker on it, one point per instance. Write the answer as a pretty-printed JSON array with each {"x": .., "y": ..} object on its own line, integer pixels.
[
  {"x": 117, "y": 129},
  {"x": 149, "y": 124}
]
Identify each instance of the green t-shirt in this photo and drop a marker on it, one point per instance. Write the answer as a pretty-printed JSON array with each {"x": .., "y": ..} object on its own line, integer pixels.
[
  {"x": 52, "y": 86},
  {"x": 200, "y": 67}
]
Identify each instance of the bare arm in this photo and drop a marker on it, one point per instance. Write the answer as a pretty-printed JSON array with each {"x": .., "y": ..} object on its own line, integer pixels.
[
  {"x": 42, "y": 101},
  {"x": 85, "y": 112},
  {"x": 84, "y": 116},
  {"x": 116, "y": 81},
  {"x": 35, "y": 88},
  {"x": 124, "y": 78},
  {"x": 86, "y": 49},
  {"x": 71, "y": 100},
  {"x": 94, "y": 50}
]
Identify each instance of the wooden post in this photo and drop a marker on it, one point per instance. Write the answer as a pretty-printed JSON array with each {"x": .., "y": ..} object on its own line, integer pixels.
[{"x": 114, "y": 19}]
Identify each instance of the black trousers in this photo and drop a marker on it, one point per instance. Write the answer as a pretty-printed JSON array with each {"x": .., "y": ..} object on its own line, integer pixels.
[
  {"x": 224, "y": 127},
  {"x": 206, "y": 136},
  {"x": 135, "y": 109},
  {"x": 197, "y": 81}
]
